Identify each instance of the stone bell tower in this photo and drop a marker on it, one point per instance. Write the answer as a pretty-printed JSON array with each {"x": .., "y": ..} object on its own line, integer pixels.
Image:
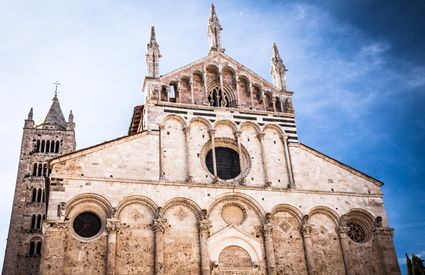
[{"x": 40, "y": 142}]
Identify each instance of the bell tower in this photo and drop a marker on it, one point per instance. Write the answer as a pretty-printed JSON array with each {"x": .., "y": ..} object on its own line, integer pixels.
[{"x": 40, "y": 142}]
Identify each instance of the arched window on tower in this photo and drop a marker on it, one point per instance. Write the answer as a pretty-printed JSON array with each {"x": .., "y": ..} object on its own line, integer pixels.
[
  {"x": 39, "y": 194},
  {"x": 31, "y": 250},
  {"x": 34, "y": 170},
  {"x": 34, "y": 195},
  {"x": 38, "y": 248},
  {"x": 38, "y": 225},
  {"x": 43, "y": 143},
  {"x": 43, "y": 197},
  {"x": 57, "y": 147},
  {"x": 52, "y": 146},
  {"x": 40, "y": 170},
  {"x": 48, "y": 146},
  {"x": 37, "y": 146},
  {"x": 33, "y": 221}
]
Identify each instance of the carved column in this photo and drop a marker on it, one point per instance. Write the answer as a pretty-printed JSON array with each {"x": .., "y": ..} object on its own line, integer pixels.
[
  {"x": 204, "y": 234},
  {"x": 250, "y": 93},
  {"x": 238, "y": 82},
  {"x": 238, "y": 140},
  {"x": 308, "y": 246},
  {"x": 161, "y": 168},
  {"x": 220, "y": 74},
  {"x": 112, "y": 226},
  {"x": 167, "y": 89},
  {"x": 212, "y": 137},
  {"x": 192, "y": 98},
  {"x": 178, "y": 92},
  {"x": 281, "y": 104},
  {"x": 268, "y": 243},
  {"x": 284, "y": 139},
  {"x": 264, "y": 159},
  {"x": 186, "y": 130},
  {"x": 274, "y": 103},
  {"x": 159, "y": 226},
  {"x": 205, "y": 93},
  {"x": 343, "y": 238}
]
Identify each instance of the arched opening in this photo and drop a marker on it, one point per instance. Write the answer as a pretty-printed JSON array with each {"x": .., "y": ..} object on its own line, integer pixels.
[
  {"x": 39, "y": 194},
  {"x": 34, "y": 170},
  {"x": 234, "y": 257},
  {"x": 38, "y": 225},
  {"x": 45, "y": 170},
  {"x": 52, "y": 146},
  {"x": 34, "y": 195},
  {"x": 38, "y": 248},
  {"x": 31, "y": 250},
  {"x": 37, "y": 147},
  {"x": 48, "y": 146},
  {"x": 40, "y": 170},
  {"x": 43, "y": 143},
  {"x": 57, "y": 147},
  {"x": 33, "y": 221}
]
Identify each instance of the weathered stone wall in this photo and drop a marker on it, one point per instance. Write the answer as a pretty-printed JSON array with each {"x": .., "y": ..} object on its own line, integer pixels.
[{"x": 169, "y": 238}]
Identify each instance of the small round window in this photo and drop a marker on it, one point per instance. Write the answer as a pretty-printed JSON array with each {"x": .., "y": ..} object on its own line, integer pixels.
[
  {"x": 227, "y": 162},
  {"x": 87, "y": 224},
  {"x": 356, "y": 232}
]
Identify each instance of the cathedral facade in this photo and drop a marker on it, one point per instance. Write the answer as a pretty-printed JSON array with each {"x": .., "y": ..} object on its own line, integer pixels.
[{"x": 211, "y": 179}]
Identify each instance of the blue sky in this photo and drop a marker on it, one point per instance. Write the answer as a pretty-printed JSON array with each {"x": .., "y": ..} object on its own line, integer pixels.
[{"x": 357, "y": 69}]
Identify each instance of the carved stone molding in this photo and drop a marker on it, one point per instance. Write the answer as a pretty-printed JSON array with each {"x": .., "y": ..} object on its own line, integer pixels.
[{"x": 113, "y": 225}]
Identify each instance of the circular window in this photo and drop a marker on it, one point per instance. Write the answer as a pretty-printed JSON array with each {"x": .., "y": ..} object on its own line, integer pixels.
[
  {"x": 356, "y": 232},
  {"x": 87, "y": 224},
  {"x": 227, "y": 161}
]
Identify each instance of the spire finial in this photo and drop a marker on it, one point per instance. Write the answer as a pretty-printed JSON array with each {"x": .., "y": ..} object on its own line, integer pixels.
[
  {"x": 56, "y": 88},
  {"x": 153, "y": 36},
  {"x": 153, "y": 55},
  {"x": 30, "y": 114},
  {"x": 278, "y": 69},
  {"x": 214, "y": 31}
]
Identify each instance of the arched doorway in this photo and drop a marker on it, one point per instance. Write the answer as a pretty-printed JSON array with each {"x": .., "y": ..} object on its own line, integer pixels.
[{"x": 234, "y": 260}]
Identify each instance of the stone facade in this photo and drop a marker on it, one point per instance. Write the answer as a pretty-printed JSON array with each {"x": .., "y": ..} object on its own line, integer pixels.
[
  {"x": 40, "y": 143},
  {"x": 213, "y": 180}
]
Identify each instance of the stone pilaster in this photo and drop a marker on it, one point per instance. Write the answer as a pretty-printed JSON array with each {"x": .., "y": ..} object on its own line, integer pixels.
[
  {"x": 264, "y": 160},
  {"x": 159, "y": 226},
  {"x": 238, "y": 140},
  {"x": 268, "y": 243},
  {"x": 308, "y": 246},
  {"x": 204, "y": 234},
  {"x": 290, "y": 171},
  {"x": 186, "y": 131},
  {"x": 161, "y": 168},
  {"x": 112, "y": 227},
  {"x": 212, "y": 137}
]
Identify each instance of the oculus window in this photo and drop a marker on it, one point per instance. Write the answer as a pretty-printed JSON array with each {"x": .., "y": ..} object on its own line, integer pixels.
[
  {"x": 227, "y": 161},
  {"x": 87, "y": 224}
]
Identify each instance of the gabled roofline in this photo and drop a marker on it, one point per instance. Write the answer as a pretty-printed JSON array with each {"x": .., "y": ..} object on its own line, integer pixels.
[
  {"x": 341, "y": 165},
  {"x": 90, "y": 149}
]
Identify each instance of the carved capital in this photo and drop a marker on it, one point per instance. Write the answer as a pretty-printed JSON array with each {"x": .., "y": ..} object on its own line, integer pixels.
[
  {"x": 306, "y": 230},
  {"x": 205, "y": 226},
  {"x": 284, "y": 138},
  {"x": 267, "y": 229},
  {"x": 261, "y": 135},
  {"x": 237, "y": 134},
  {"x": 186, "y": 130},
  {"x": 211, "y": 132},
  {"x": 343, "y": 231},
  {"x": 161, "y": 126},
  {"x": 160, "y": 225},
  {"x": 113, "y": 225}
]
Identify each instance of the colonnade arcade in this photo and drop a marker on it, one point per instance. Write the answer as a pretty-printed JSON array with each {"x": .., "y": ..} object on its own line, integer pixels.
[
  {"x": 221, "y": 86},
  {"x": 225, "y": 230}
]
